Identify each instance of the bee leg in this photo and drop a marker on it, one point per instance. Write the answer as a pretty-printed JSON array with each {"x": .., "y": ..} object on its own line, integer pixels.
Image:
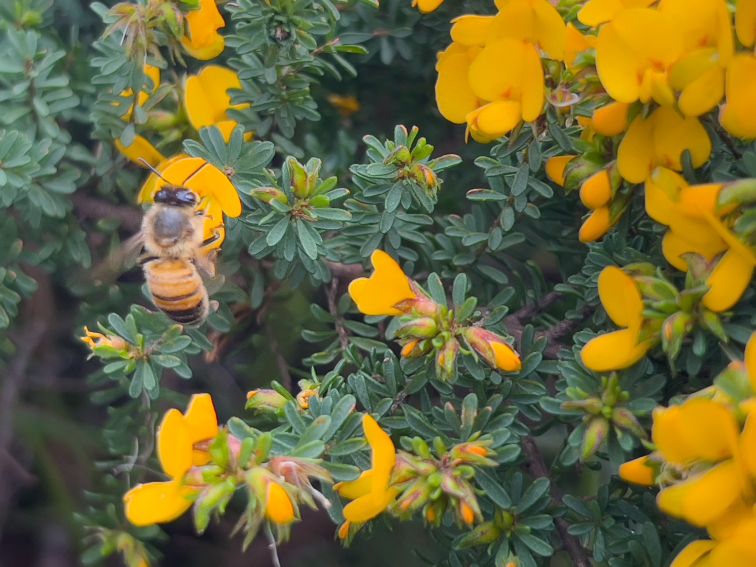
[{"x": 205, "y": 258}]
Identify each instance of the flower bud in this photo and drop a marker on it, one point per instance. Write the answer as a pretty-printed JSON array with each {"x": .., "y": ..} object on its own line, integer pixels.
[
  {"x": 446, "y": 360},
  {"x": 493, "y": 349},
  {"x": 740, "y": 192},
  {"x": 434, "y": 512},
  {"x": 578, "y": 170},
  {"x": 638, "y": 471},
  {"x": 413, "y": 497},
  {"x": 596, "y": 190},
  {"x": 674, "y": 329},
  {"x": 483, "y": 534},
  {"x": 474, "y": 452},
  {"x": 264, "y": 400},
  {"x": 299, "y": 183},
  {"x": 623, "y": 418},
  {"x": 215, "y": 496},
  {"x": 595, "y": 433},
  {"x": 592, "y": 406},
  {"x": 596, "y": 225},
  {"x": 656, "y": 289},
  {"x": 172, "y": 19},
  {"x": 423, "y": 327},
  {"x": 268, "y": 194},
  {"x": 712, "y": 323}
]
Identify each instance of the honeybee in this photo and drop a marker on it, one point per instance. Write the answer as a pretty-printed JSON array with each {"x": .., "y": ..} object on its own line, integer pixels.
[{"x": 173, "y": 239}]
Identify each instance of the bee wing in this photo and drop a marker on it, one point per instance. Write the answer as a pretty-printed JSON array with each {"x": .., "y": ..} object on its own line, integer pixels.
[{"x": 124, "y": 257}]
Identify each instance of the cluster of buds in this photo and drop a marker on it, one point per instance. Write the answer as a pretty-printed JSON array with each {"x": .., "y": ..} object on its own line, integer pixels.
[
  {"x": 602, "y": 412},
  {"x": 425, "y": 326},
  {"x": 207, "y": 465},
  {"x": 107, "y": 345},
  {"x": 434, "y": 481},
  {"x": 303, "y": 190},
  {"x": 273, "y": 400}
]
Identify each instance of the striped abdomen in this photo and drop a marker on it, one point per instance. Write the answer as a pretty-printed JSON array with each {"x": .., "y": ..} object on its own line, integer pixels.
[{"x": 177, "y": 290}]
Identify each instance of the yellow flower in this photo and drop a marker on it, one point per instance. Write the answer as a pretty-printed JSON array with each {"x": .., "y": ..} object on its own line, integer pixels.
[
  {"x": 596, "y": 225},
  {"x": 637, "y": 471},
  {"x": 556, "y": 168},
  {"x": 95, "y": 340},
  {"x": 279, "y": 508},
  {"x": 634, "y": 53},
  {"x": 622, "y": 300},
  {"x": 508, "y": 74},
  {"x": 695, "y": 226},
  {"x": 596, "y": 12},
  {"x": 153, "y": 73},
  {"x": 494, "y": 350},
  {"x": 140, "y": 149},
  {"x": 701, "y": 431},
  {"x": 384, "y": 290},
  {"x": 218, "y": 195},
  {"x": 534, "y": 21},
  {"x": 370, "y": 493},
  {"x": 576, "y": 43},
  {"x": 611, "y": 119},
  {"x": 427, "y": 6},
  {"x": 177, "y": 440},
  {"x": 660, "y": 140},
  {"x": 737, "y": 116},
  {"x": 206, "y": 99},
  {"x": 202, "y": 40},
  {"x": 346, "y": 105}
]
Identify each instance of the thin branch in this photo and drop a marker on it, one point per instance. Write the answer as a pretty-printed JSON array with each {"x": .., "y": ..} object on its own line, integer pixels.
[
  {"x": 38, "y": 315},
  {"x": 96, "y": 209},
  {"x": 538, "y": 468}
]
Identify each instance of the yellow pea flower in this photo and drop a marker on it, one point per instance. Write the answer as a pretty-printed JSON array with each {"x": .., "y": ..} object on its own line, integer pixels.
[
  {"x": 595, "y": 12},
  {"x": 370, "y": 493},
  {"x": 556, "y": 168},
  {"x": 279, "y": 508},
  {"x": 427, "y": 6},
  {"x": 596, "y": 225},
  {"x": 206, "y": 99},
  {"x": 140, "y": 149},
  {"x": 737, "y": 116},
  {"x": 533, "y": 21},
  {"x": 177, "y": 440},
  {"x": 634, "y": 53},
  {"x": 454, "y": 95},
  {"x": 660, "y": 140},
  {"x": 637, "y": 471},
  {"x": 623, "y": 303},
  {"x": 611, "y": 119},
  {"x": 202, "y": 40},
  {"x": 218, "y": 195},
  {"x": 695, "y": 226},
  {"x": 384, "y": 290},
  {"x": 494, "y": 350},
  {"x": 93, "y": 340}
]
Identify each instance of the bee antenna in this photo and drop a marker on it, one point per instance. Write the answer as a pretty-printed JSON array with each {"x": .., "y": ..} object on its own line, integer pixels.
[{"x": 146, "y": 164}]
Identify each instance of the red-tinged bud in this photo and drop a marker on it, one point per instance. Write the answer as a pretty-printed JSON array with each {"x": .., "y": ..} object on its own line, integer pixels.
[
  {"x": 483, "y": 534},
  {"x": 264, "y": 400},
  {"x": 268, "y": 194},
  {"x": 656, "y": 289},
  {"x": 493, "y": 349},
  {"x": 213, "y": 497},
  {"x": 410, "y": 349},
  {"x": 674, "y": 329},
  {"x": 446, "y": 360},
  {"x": 422, "y": 328},
  {"x": 476, "y": 453},
  {"x": 577, "y": 171},
  {"x": 434, "y": 512},
  {"x": 413, "y": 497},
  {"x": 594, "y": 436},
  {"x": 466, "y": 513},
  {"x": 740, "y": 192},
  {"x": 625, "y": 419}
]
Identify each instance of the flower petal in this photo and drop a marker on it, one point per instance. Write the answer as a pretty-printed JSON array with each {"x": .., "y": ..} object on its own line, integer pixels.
[
  {"x": 703, "y": 498},
  {"x": 620, "y": 297},
  {"x": 211, "y": 181},
  {"x": 369, "y": 506},
  {"x": 157, "y": 502},
  {"x": 635, "y": 156},
  {"x": 506, "y": 358},
  {"x": 692, "y": 552},
  {"x": 637, "y": 471},
  {"x": 614, "y": 351},
  {"x": 596, "y": 191},
  {"x": 470, "y": 29},
  {"x": 611, "y": 119},
  {"x": 174, "y": 444},
  {"x": 140, "y": 149},
  {"x": 454, "y": 96},
  {"x": 384, "y": 289},
  {"x": 495, "y": 119},
  {"x": 737, "y": 114},
  {"x": 278, "y": 506},
  {"x": 673, "y": 134},
  {"x": 353, "y": 489},
  {"x": 384, "y": 452},
  {"x": 745, "y": 22},
  {"x": 206, "y": 97},
  {"x": 596, "y": 225},
  {"x": 703, "y": 94},
  {"x": 497, "y": 71},
  {"x": 201, "y": 418},
  {"x": 728, "y": 281},
  {"x": 556, "y": 168}
]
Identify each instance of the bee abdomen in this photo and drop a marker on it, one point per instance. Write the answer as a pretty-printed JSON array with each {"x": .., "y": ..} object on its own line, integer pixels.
[{"x": 177, "y": 290}]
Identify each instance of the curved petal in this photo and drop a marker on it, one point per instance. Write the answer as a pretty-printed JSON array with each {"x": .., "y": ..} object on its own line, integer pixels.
[
  {"x": 384, "y": 452},
  {"x": 737, "y": 114},
  {"x": 384, "y": 289},
  {"x": 750, "y": 360},
  {"x": 506, "y": 358},
  {"x": 673, "y": 134},
  {"x": 204, "y": 52},
  {"x": 596, "y": 12},
  {"x": 611, "y": 119},
  {"x": 427, "y": 6},
  {"x": 618, "y": 66},
  {"x": 703, "y": 94},
  {"x": 206, "y": 97},
  {"x": 353, "y": 489},
  {"x": 674, "y": 245},
  {"x": 470, "y": 29},
  {"x": 278, "y": 506},
  {"x": 635, "y": 156},
  {"x": 201, "y": 418},
  {"x": 728, "y": 281},
  {"x": 174, "y": 444},
  {"x": 211, "y": 181},
  {"x": 637, "y": 471},
  {"x": 454, "y": 96},
  {"x": 495, "y": 119},
  {"x": 596, "y": 191},
  {"x": 550, "y": 29},
  {"x": 203, "y": 23},
  {"x": 556, "y": 168},
  {"x": 497, "y": 71},
  {"x": 692, "y": 552},
  {"x": 532, "y": 89},
  {"x": 157, "y": 502},
  {"x": 596, "y": 225},
  {"x": 703, "y": 498},
  {"x": 140, "y": 149},
  {"x": 613, "y": 351},
  {"x": 662, "y": 192},
  {"x": 620, "y": 297},
  {"x": 748, "y": 441},
  {"x": 745, "y": 22},
  {"x": 369, "y": 506}
]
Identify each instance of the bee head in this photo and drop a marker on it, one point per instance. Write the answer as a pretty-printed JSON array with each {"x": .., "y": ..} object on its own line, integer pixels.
[{"x": 176, "y": 197}]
